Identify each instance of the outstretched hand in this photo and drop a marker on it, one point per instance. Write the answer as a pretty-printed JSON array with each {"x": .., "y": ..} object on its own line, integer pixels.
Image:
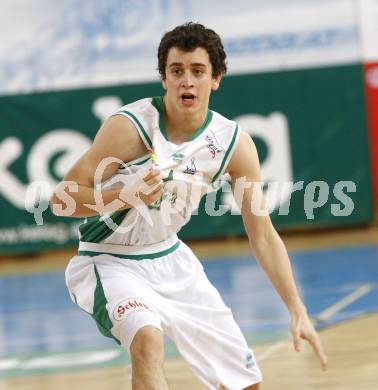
[{"x": 302, "y": 328}]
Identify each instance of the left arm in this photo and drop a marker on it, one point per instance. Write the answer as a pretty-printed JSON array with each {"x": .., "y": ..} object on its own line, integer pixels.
[{"x": 266, "y": 244}]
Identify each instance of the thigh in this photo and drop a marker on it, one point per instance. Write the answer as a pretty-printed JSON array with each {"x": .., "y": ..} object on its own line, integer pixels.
[
  {"x": 207, "y": 335},
  {"x": 119, "y": 301}
]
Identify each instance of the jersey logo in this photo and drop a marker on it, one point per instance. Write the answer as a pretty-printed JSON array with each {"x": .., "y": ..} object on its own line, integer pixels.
[
  {"x": 177, "y": 157},
  {"x": 213, "y": 144},
  {"x": 127, "y": 306},
  {"x": 169, "y": 177},
  {"x": 191, "y": 169},
  {"x": 165, "y": 195}
]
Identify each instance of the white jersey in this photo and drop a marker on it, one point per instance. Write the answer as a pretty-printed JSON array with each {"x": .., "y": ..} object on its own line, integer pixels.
[{"x": 187, "y": 169}]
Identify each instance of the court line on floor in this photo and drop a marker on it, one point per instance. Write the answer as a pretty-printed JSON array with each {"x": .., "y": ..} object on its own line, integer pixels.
[
  {"x": 343, "y": 303},
  {"x": 326, "y": 314},
  {"x": 270, "y": 350}
]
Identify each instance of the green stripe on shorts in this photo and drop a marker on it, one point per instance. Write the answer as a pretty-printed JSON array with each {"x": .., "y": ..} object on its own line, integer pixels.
[
  {"x": 144, "y": 256},
  {"x": 100, "y": 313}
]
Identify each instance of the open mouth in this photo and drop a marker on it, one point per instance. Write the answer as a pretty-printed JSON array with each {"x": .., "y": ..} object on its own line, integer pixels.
[{"x": 187, "y": 97}]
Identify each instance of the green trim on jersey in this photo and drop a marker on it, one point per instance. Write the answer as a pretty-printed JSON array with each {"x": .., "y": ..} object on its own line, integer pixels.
[
  {"x": 227, "y": 155},
  {"x": 206, "y": 122},
  {"x": 158, "y": 103},
  {"x": 100, "y": 312},
  {"x": 144, "y": 256},
  {"x": 138, "y": 161},
  {"x": 96, "y": 230},
  {"x": 142, "y": 132},
  {"x": 141, "y": 162}
]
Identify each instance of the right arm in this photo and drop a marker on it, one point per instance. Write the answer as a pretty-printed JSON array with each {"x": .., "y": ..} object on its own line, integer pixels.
[{"x": 117, "y": 138}]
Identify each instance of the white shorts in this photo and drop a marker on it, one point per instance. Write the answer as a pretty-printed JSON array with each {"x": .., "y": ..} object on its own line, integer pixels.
[{"x": 171, "y": 293}]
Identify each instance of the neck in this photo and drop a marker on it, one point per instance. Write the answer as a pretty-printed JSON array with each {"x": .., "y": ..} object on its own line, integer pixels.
[{"x": 182, "y": 125}]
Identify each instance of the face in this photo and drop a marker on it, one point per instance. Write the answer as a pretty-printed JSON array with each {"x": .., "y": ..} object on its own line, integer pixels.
[{"x": 189, "y": 80}]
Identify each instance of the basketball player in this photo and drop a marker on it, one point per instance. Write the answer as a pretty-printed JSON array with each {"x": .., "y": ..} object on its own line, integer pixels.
[{"x": 132, "y": 274}]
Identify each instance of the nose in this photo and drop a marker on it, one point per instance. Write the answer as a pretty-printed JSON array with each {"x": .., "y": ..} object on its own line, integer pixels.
[{"x": 186, "y": 80}]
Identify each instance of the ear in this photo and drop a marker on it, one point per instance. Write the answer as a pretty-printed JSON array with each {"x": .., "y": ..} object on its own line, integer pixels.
[
  {"x": 164, "y": 83},
  {"x": 215, "y": 82}
]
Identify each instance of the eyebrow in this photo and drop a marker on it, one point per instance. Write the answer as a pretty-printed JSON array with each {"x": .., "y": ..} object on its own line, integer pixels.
[{"x": 181, "y": 64}]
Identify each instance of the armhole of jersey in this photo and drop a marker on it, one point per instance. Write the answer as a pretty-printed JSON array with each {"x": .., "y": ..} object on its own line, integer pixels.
[
  {"x": 141, "y": 130},
  {"x": 228, "y": 154}
]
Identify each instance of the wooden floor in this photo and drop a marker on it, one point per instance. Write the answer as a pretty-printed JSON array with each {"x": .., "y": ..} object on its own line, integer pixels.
[
  {"x": 296, "y": 240},
  {"x": 352, "y": 348}
]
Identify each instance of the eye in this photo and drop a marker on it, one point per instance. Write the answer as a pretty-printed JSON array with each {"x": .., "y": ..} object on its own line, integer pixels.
[{"x": 177, "y": 71}]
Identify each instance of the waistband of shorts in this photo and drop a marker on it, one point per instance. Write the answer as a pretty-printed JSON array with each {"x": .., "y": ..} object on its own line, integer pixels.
[{"x": 133, "y": 252}]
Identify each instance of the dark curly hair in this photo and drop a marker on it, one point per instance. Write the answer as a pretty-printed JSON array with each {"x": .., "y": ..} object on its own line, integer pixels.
[{"x": 188, "y": 37}]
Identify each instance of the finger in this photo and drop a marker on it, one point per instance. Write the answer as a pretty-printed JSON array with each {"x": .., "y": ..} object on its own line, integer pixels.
[
  {"x": 157, "y": 190},
  {"x": 296, "y": 336},
  {"x": 316, "y": 344},
  {"x": 152, "y": 173},
  {"x": 153, "y": 197},
  {"x": 324, "y": 362},
  {"x": 150, "y": 189},
  {"x": 152, "y": 179}
]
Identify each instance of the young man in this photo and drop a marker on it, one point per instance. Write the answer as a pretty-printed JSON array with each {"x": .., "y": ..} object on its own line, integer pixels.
[{"x": 132, "y": 274}]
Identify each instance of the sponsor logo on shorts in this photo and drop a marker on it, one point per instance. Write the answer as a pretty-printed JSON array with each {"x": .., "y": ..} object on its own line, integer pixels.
[
  {"x": 250, "y": 362},
  {"x": 128, "y": 306}
]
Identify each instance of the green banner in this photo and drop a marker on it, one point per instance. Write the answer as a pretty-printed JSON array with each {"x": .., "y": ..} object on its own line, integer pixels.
[
  {"x": 324, "y": 113},
  {"x": 309, "y": 127}
]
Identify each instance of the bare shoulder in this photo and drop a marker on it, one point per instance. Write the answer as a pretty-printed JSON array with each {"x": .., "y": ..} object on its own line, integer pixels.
[
  {"x": 244, "y": 161},
  {"x": 117, "y": 139}
]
